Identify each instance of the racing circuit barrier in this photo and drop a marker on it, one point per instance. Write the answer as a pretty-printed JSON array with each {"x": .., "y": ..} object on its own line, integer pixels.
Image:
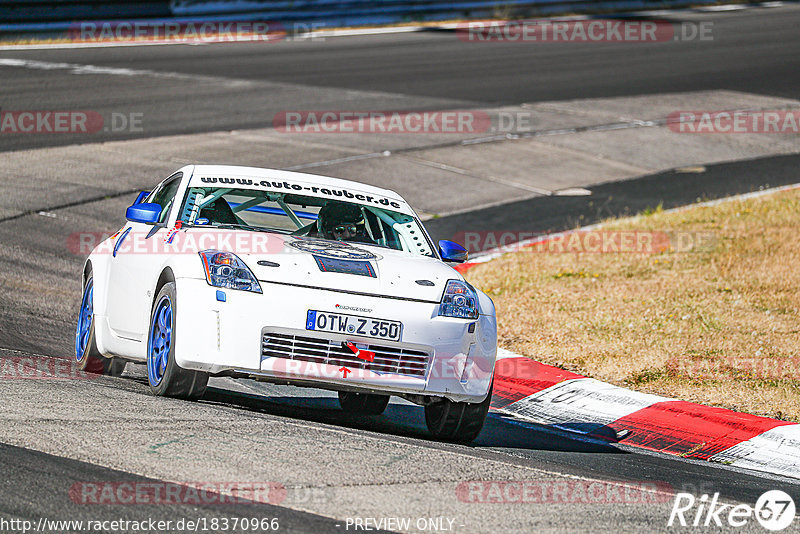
[{"x": 54, "y": 16}]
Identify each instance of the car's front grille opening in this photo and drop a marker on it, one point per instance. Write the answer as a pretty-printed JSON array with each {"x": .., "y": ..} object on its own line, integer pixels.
[{"x": 398, "y": 360}]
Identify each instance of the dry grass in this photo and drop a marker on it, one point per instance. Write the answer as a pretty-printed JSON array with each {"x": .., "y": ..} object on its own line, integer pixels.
[{"x": 717, "y": 326}]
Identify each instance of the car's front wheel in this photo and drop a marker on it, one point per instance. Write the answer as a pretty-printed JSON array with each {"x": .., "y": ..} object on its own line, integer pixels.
[
  {"x": 456, "y": 421},
  {"x": 87, "y": 356},
  {"x": 166, "y": 378},
  {"x": 363, "y": 403}
]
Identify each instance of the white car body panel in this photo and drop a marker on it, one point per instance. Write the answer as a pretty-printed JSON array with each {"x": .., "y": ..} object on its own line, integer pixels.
[{"x": 226, "y": 336}]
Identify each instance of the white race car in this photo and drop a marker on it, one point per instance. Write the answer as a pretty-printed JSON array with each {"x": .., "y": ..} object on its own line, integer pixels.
[{"x": 294, "y": 279}]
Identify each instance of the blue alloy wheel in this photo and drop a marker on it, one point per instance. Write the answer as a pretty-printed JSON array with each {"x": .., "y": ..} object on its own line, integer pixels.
[
  {"x": 160, "y": 341},
  {"x": 84, "y": 328}
]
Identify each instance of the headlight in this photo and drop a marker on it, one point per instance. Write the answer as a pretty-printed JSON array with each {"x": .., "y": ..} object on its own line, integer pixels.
[
  {"x": 225, "y": 269},
  {"x": 459, "y": 300}
]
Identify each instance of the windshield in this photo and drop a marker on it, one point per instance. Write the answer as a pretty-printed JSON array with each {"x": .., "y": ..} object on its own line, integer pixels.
[{"x": 300, "y": 215}]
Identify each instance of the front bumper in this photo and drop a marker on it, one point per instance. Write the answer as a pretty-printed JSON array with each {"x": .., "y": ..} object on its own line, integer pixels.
[{"x": 216, "y": 336}]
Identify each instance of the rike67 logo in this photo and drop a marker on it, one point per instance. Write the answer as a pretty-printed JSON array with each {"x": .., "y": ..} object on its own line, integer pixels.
[{"x": 774, "y": 510}]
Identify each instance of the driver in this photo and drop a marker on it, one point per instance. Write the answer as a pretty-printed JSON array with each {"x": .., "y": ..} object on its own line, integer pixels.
[{"x": 342, "y": 222}]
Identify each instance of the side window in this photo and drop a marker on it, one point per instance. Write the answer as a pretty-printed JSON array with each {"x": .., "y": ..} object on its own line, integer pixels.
[{"x": 164, "y": 196}]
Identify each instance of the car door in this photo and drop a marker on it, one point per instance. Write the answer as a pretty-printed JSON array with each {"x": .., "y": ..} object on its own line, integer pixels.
[{"x": 135, "y": 266}]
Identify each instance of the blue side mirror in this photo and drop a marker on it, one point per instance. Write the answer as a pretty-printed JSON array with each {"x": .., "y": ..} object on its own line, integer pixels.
[
  {"x": 141, "y": 196},
  {"x": 452, "y": 252},
  {"x": 146, "y": 213}
]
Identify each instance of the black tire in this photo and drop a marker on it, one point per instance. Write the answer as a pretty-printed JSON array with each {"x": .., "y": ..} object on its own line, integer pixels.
[
  {"x": 363, "y": 403},
  {"x": 116, "y": 367},
  {"x": 457, "y": 421},
  {"x": 173, "y": 381},
  {"x": 87, "y": 357}
]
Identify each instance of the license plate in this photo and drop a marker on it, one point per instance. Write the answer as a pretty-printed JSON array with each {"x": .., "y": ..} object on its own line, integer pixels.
[{"x": 353, "y": 325}]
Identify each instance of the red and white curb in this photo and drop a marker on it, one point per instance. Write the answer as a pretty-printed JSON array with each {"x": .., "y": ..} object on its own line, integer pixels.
[{"x": 546, "y": 395}]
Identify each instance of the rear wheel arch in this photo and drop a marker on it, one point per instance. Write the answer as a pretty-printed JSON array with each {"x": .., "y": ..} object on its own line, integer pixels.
[
  {"x": 89, "y": 273},
  {"x": 87, "y": 270},
  {"x": 87, "y": 355}
]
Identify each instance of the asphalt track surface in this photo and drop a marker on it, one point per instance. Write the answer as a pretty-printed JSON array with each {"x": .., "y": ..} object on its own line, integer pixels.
[
  {"x": 33, "y": 487},
  {"x": 752, "y": 51},
  {"x": 669, "y": 189},
  {"x": 757, "y": 52}
]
